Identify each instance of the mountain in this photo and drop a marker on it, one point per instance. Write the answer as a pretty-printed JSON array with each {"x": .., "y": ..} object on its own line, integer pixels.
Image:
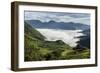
[
  {"x": 85, "y": 40},
  {"x": 62, "y": 26},
  {"x": 58, "y": 25},
  {"x": 32, "y": 32},
  {"x": 38, "y": 49},
  {"x": 36, "y": 36}
]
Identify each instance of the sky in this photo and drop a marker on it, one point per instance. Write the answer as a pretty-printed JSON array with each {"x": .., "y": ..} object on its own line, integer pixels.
[{"x": 44, "y": 16}]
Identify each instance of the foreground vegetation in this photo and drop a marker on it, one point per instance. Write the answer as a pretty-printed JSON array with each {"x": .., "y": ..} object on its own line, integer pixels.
[{"x": 37, "y": 49}]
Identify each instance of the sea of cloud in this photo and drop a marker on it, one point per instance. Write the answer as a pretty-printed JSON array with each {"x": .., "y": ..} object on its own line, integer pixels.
[{"x": 69, "y": 37}]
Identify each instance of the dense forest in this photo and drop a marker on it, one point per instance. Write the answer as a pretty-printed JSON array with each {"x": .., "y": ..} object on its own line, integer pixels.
[{"x": 38, "y": 49}]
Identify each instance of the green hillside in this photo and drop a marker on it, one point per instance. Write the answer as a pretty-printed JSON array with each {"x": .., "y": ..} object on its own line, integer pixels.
[{"x": 37, "y": 49}]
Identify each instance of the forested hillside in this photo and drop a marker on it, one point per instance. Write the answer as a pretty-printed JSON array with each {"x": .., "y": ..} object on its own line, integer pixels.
[{"x": 38, "y": 49}]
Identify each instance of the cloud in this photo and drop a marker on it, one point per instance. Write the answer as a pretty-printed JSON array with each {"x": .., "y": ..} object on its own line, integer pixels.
[
  {"x": 58, "y": 16},
  {"x": 54, "y": 35}
]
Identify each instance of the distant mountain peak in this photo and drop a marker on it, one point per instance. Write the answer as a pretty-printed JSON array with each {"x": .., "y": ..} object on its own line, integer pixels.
[
  {"x": 71, "y": 22},
  {"x": 51, "y": 21}
]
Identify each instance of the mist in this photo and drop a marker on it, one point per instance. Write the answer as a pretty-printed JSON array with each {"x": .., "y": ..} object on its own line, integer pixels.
[{"x": 67, "y": 36}]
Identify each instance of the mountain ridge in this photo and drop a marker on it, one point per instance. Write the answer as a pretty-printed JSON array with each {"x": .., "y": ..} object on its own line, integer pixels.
[
  {"x": 58, "y": 25},
  {"x": 37, "y": 49}
]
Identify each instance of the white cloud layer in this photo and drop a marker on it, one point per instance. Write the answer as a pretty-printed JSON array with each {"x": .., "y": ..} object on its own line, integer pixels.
[{"x": 67, "y": 36}]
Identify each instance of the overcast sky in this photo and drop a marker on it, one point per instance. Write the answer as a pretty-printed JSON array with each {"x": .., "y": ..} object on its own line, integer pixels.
[{"x": 58, "y": 17}]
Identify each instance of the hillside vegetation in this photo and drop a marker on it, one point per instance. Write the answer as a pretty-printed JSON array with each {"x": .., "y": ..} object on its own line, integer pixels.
[{"x": 38, "y": 49}]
